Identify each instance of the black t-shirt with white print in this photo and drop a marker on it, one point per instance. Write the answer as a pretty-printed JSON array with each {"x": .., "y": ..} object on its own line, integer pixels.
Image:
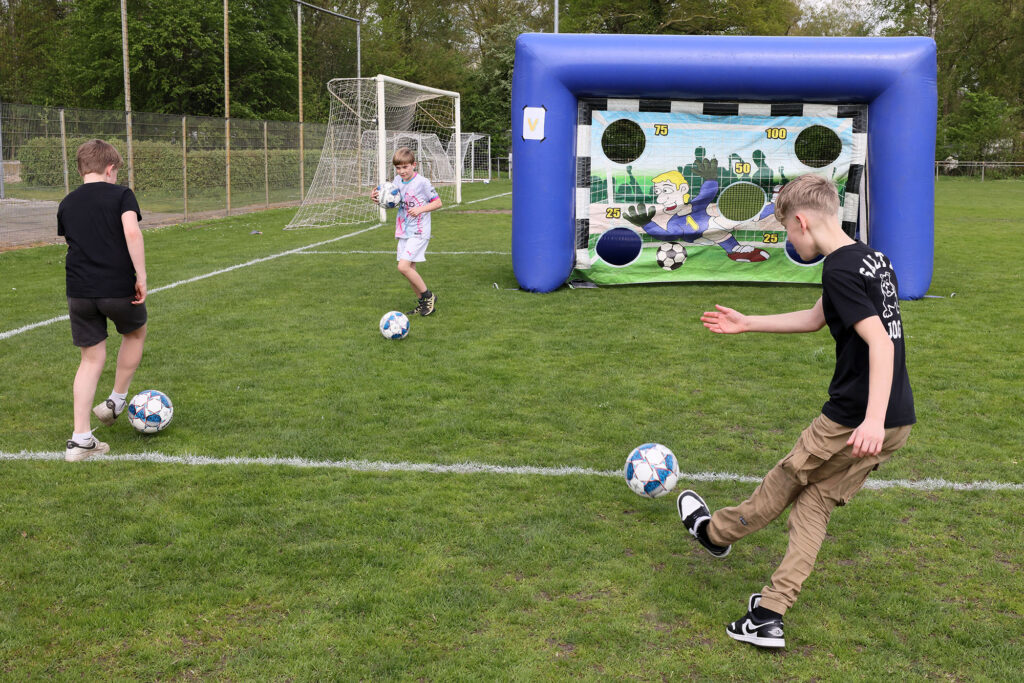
[
  {"x": 98, "y": 263},
  {"x": 858, "y": 282}
]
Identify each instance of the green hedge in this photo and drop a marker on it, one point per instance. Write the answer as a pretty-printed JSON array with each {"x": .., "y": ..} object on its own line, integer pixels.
[{"x": 158, "y": 165}]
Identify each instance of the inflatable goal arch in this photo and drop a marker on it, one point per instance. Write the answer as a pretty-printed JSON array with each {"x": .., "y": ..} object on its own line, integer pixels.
[{"x": 656, "y": 158}]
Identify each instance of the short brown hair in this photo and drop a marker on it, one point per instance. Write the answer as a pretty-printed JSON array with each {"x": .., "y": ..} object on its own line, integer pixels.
[
  {"x": 95, "y": 155},
  {"x": 403, "y": 155},
  {"x": 811, "y": 192}
]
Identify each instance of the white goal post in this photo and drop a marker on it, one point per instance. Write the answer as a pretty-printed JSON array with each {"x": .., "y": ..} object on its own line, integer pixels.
[{"x": 369, "y": 119}]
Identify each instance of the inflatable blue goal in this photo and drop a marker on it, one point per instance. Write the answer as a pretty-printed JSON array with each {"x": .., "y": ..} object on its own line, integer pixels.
[{"x": 656, "y": 158}]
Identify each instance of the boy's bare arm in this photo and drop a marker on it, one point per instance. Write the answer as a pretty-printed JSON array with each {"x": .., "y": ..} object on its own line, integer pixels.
[
  {"x": 726, "y": 320},
  {"x": 867, "y": 438},
  {"x": 137, "y": 251}
]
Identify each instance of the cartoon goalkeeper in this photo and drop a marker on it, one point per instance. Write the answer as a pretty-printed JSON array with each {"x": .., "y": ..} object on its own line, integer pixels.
[{"x": 689, "y": 220}]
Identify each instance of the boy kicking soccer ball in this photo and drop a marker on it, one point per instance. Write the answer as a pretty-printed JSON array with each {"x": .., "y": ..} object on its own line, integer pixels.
[
  {"x": 867, "y": 417},
  {"x": 412, "y": 225},
  {"x": 106, "y": 280}
]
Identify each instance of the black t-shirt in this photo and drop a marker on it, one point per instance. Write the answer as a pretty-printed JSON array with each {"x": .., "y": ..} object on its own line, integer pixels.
[
  {"x": 857, "y": 283},
  {"x": 98, "y": 263}
]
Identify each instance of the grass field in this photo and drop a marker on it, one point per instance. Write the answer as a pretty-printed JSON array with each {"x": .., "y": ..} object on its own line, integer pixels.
[{"x": 137, "y": 566}]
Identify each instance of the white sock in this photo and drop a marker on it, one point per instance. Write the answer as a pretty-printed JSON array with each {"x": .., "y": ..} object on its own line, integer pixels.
[
  {"x": 82, "y": 439},
  {"x": 118, "y": 399}
]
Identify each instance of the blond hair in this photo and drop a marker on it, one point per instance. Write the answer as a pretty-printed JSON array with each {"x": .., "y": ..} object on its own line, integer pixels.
[
  {"x": 95, "y": 155},
  {"x": 403, "y": 155},
  {"x": 675, "y": 177},
  {"x": 808, "y": 192}
]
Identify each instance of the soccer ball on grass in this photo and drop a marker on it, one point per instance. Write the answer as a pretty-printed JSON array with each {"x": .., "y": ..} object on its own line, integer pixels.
[
  {"x": 651, "y": 470},
  {"x": 388, "y": 196},
  {"x": 150, "y": 411},
  {"x": 394, "y": 325}
]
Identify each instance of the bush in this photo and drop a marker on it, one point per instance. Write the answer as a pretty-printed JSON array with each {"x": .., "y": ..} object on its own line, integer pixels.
[{"x": 158, "y": 165}]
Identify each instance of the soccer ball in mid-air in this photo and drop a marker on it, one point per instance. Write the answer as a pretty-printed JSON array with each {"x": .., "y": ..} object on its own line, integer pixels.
[
  {"x": 394, "y": 325},
  {"x": 388, "y": 196},
  {"x": 651, "y": 470},
  {"x": 150, "y": 411},
  {"x": 671, "y": 255}
]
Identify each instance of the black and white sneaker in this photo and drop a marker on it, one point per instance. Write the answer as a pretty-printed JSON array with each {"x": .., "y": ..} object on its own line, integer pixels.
[
  {"x": 751, "y": 630},
  {"x": 427, "y": 302},
  {"x": 695, "y": 515}
]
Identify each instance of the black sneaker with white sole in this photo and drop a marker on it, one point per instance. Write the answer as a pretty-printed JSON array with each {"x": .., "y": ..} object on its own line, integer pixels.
[
  {"x": 427, "y": 302},
  {"x": 750, "y": 629},
  {"x": 695, "y": 515}
]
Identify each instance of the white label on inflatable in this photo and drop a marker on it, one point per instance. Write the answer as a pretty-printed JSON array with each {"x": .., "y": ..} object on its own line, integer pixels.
[{"x": 533, "y": 123}]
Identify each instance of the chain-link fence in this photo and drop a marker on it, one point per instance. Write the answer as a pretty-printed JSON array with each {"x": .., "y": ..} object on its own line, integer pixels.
[
  {"x": 182, "y": 167},
  {"x": 992, "y": 170}
]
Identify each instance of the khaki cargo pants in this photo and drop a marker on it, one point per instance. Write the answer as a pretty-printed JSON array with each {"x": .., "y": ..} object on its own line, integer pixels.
[{"x": 817, "y": 475}]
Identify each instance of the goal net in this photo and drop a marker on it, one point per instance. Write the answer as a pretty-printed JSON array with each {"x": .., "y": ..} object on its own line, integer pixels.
[
  {"x": 370, "y": 118},
  {"x": 476, "y": 157}
]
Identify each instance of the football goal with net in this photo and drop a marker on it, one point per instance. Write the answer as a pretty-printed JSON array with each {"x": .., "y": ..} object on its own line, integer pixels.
[{"x": 369, "y": 119}]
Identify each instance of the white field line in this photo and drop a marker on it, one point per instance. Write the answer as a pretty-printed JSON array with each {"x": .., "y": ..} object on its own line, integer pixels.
[
  {"x": 43, "y": 323},
  {"x": 429, "y": 253},
  {"x": 475, "y": 201},
  {"x": 483, "y": 468},
  {"x": 26, "y": 328}
]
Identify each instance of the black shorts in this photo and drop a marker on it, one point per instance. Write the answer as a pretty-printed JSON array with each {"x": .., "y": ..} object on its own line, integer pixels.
[{"x": 89, "y": 318}]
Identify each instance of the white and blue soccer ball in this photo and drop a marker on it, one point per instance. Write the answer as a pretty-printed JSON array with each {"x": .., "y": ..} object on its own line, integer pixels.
[
  {"x": 652, "y": 470},
  {"x": 150, "y": 411},
  {"x": 394, "y": 325},
  {"x": 389, "y": 196}
]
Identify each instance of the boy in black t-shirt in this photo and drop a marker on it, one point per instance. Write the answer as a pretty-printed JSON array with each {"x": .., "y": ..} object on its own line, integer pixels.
[
  {"x": 106, "y": 279},
  {"x": 867, "y": 417}
]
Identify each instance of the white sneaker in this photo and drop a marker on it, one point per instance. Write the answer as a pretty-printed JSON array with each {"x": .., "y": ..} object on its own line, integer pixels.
[
  {"x": 107, "y": 412},
  {"x": 76, "y": 452}
]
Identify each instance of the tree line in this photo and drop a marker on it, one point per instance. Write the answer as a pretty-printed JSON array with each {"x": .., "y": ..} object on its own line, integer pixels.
[{"x": 68, "y": 52}]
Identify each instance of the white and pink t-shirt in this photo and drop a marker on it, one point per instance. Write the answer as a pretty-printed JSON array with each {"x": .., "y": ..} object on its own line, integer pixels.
[{"x": 417, "y": 192}]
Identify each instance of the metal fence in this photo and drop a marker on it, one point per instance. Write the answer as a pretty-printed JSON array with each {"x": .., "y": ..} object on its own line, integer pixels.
[
  {"x": 993, "y": 170},
  {"x": 182, "y": 167}
]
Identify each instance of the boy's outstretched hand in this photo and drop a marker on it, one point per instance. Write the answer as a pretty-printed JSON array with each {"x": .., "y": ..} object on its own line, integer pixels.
[{"x": 724, "y": 320}]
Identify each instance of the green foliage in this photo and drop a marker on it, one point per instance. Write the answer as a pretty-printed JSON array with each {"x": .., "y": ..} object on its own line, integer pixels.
[
  {"x": 980, "y": 48},
  {"x": 984, "y": 128},
  {"x": 158, "y": 165},
  {"x": 838, "y": 19},
  {"x": 68, "y": 52},
  {"x": 704, "y": 17},
  {"x": 32, "y": 33}
]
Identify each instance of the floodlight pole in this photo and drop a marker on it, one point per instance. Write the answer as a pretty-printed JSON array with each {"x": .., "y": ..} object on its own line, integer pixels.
[
  {"x": 127, "y": 94},
  {"x": 556, "y": 16},
  {"x": 302, "y": 137},
  {"x": 2, "y": 170},
  {"x": 302, "y": 140},
  {"x": 227, "y": 117},
  {"x": 358, "y": 23}
]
